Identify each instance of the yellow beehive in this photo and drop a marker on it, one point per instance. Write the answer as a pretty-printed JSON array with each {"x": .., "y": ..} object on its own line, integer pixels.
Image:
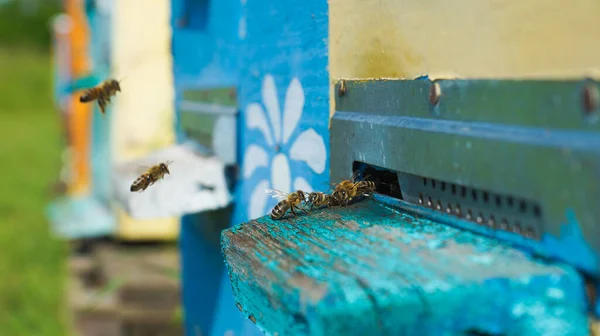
[
  {"x": 143, "y": 116},
  {"x": 463, "y": 38}
]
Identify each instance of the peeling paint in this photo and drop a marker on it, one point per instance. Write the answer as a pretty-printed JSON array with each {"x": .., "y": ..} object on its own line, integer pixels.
[{"x": 405, "y": 265}]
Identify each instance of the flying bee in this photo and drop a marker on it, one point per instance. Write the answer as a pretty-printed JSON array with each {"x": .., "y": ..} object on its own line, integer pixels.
[
  {"x": 101, "y": 93},
  {"x": 141, "y": 183},
  {"x": 158, "y": 171},
  {"x": 318, "y": 199},
  {"x": 150, "y": 177},
  {"x": 287, "y": 202}
]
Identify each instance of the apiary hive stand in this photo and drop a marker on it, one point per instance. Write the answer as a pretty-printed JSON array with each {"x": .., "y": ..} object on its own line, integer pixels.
[{"x": 134, "y": 291}]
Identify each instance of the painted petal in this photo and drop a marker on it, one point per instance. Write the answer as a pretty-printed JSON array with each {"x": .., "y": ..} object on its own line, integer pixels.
[
  {"x": 280, "y": 173},
  {"x": 255, "y": 118},
  {"x": 302, "y": 184},
  {"x": 310, "y": 148},
  {"x": 292, "y": 111},
  {"x": 254, "y": 157},
  {"x": 242, "y": 28},
  {"x": 269, "y": 97},
  {"x": 258, "y": 200}
]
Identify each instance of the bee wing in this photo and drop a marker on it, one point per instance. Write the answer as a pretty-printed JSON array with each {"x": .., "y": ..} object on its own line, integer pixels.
[
  {"x": 278, "y": 194},
  {"x": 330, "y": 186},
  {"x": 353, "y": 178},
  {"x": 355, "y": 175},
  {"x": 140, "y": 169},
  {"x": 102, "y": 105}
]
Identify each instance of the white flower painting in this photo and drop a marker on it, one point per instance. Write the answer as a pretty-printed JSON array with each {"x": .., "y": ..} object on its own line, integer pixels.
[{"x": 278, "y": 131}]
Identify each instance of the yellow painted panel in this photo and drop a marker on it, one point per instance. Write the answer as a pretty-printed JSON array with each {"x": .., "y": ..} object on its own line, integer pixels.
[
  {"x": 143, "y": 114},
  {"x": 156, "y": 229},
  {"x": 144, "y": 110},
  {"x": 464, "y": 38},
  {"x": 594, "y": 327}
]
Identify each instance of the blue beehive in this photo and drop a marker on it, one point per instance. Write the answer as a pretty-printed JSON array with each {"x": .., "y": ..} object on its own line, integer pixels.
[
  {"x": 206, "y": 67},
  {"x": 278, "y": 67}
]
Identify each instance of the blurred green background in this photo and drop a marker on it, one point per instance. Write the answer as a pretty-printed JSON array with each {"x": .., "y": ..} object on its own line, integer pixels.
[{"x": 32, "y": 261}]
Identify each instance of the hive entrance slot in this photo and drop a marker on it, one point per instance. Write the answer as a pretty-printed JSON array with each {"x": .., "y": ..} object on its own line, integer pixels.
[{"x": 385, "y": 180}]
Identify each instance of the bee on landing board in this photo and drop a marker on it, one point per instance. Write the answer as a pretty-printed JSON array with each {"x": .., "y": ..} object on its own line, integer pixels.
[
  {"x": 365, "y": 187},
  {"x": 101, "y": 93},
  {"x": 319, "y": 199},
  {"x": 347, "y": 190},
  {"x": 150, "y": 177},
  {"x": 287, "y": 202}
]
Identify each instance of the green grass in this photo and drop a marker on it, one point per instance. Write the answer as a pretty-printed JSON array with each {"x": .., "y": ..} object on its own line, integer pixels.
[{"x": 32, "y": 262}]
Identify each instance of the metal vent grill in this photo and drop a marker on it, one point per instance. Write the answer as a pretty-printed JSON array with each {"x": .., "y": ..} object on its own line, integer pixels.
[{"x": 497, "y": 211}]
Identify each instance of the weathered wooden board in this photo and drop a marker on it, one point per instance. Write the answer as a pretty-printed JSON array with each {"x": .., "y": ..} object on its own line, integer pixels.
[{"x": 371, "y": 270}]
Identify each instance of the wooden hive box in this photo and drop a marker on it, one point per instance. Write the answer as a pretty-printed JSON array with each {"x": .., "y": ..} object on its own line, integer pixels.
[{"x": 147, "y": 276}]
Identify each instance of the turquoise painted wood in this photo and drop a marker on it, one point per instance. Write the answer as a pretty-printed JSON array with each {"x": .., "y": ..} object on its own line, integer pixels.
[{"x": 371, "y": 269}]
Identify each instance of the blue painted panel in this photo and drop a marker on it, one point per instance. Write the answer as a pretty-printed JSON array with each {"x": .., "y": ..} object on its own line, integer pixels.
[
  {"x": 273, "y": 49},
  {"x": 205, "y": 54},
  {"x": 202, "y": 268},
  {"x": 205, "y": 48},
  {"x": 284, "y": 95},
  {"x": 284, "y": 98}
]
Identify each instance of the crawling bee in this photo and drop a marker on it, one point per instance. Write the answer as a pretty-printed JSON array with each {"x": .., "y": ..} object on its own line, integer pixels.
[
  {"x": 286, "y": 202},
  {"x": 150, "y": 177},
  {"x": 365, "y": 187},
  {"x": 347, "y": 190},
  {"x": 318, "y": 199},
  {"x": 101, "y": 93}
]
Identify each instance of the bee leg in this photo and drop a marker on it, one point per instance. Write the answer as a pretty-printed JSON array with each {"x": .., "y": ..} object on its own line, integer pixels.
[
  {"x": 293, "y": 212},
  {"x": 306, "y": 212}
]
